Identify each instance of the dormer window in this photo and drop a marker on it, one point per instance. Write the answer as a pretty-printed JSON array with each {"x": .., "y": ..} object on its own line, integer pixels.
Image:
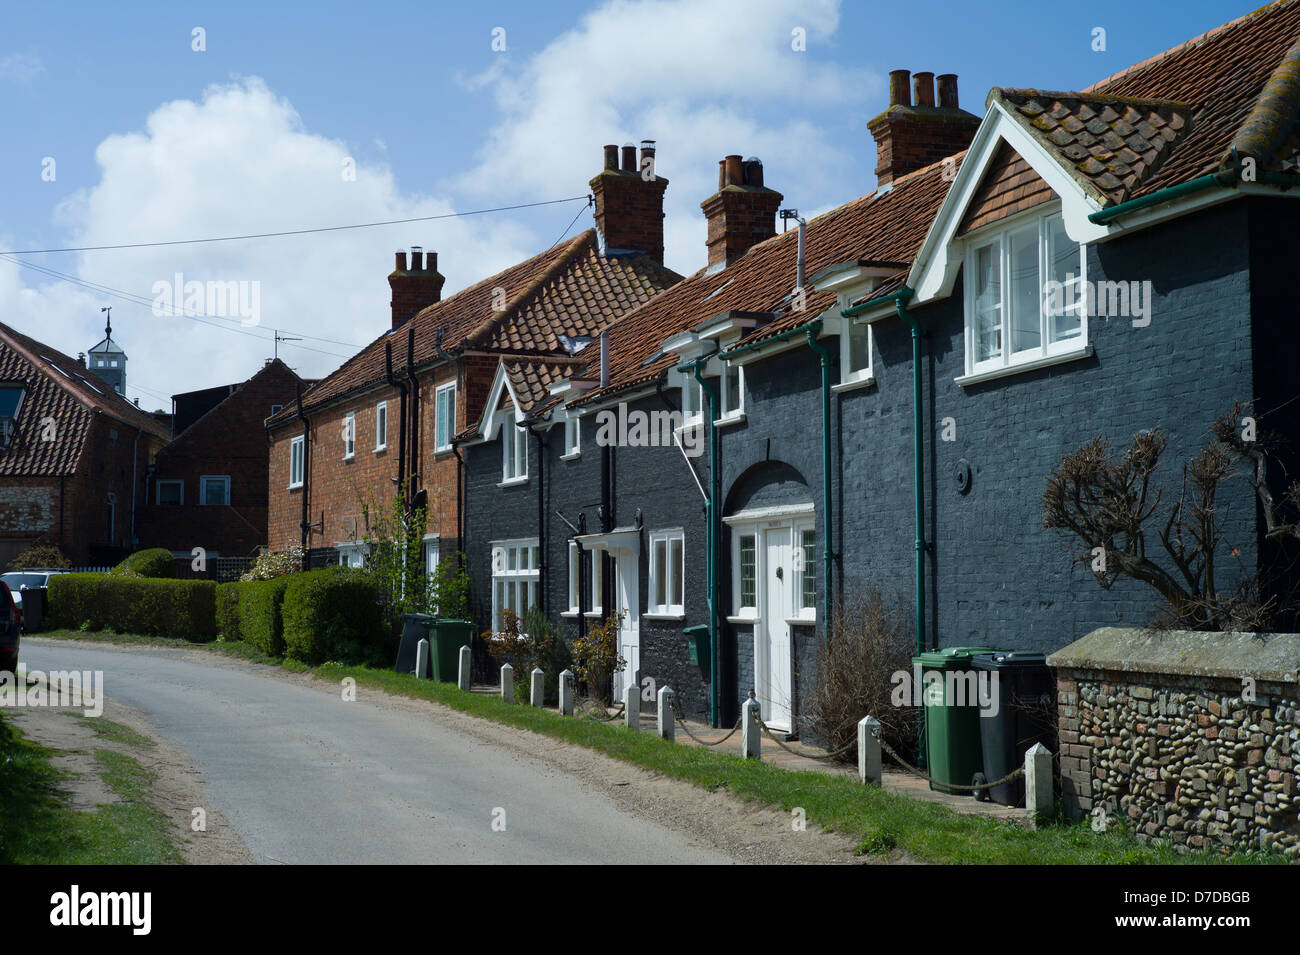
[
  {"x": 11, "y": 399},
  {"x": 572, "y": 437},
  {"x": 731, "y": 391},
  {"x": 514, "y": 452},
  {"x": 692, "y": 400},
  {"x": 1023, "y": 301},
  {"x": 855, "y": 353}
]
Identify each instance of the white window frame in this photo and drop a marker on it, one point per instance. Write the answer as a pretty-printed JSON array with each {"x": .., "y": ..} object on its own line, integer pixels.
[
  {"x": 572, "y": 438},
  {"x": 157, "y": 497},
  {"x": 442, "y": 435},
  {"x": 297, "y": 458},
  {"x": 381, "y": 426},
  {"x": 674, "y": 583},
  {"x": 998, "y": 238},
  {"x": 574, "y": 564},
  {"x": 349, "y": 436},
  {"x": 728, "y": 414},
  {"x": 848, "y": 374},
  {"x": 796, "y": 525},
  {"x": 514, "y": 452},
  {"x": 596, "y": 580},
  {"x": 352, "y": 553},
  {"x": 692, "y": 401},
  {"x": 275, "y": 410},
  {"x": 516, "y": 570},
  {"x": 223, "y": 479}
]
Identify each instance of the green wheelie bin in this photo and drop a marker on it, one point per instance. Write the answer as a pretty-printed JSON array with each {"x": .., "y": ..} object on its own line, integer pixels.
[
  {"x": 446, "y": 637},
  {"x": 952, "y": 716}
]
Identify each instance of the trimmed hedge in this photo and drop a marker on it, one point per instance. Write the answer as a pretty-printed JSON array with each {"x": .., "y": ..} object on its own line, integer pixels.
[
  {"x": 260, "y": 622},
  {"x": 151, "y": 606},
  {"x": 334, "y": 614},
  {"x": 154, "y": 562},
  {"x": 228, "y": 596}
]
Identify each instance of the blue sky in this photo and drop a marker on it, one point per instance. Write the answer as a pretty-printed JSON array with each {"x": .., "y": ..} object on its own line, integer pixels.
[{"x": 153, "y": 140}]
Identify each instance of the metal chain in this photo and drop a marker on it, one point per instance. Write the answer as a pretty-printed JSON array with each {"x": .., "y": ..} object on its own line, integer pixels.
[
  {"x": 839, "y": 752},
  {"x": 1014, "y": 774},
  {"x": 588, "y": 707},
  {"x": 681, "y": 722}
]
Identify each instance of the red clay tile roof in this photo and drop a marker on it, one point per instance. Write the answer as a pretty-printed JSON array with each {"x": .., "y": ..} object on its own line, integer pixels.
[
  {"x": 1010, "y": 185},
  {"x": 1109, "y": 144},
  {"x": 571, "y": 289},
  {"x": 531, "y": 379},
  {"x": 1179, "y": 115},
  {"x": 881, "y": 227},
  {"x": 57, "y": 387}
]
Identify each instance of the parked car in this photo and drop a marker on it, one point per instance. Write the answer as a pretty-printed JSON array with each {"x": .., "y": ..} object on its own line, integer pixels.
[
  {"x": 20, "y": 580},
  {"x": 10, "y": 630}
]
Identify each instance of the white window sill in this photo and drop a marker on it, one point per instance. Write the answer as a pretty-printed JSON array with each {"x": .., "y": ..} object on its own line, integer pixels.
[
  {"x": 349, "y": 457},
  {"x": 569, "y": 613},
  {"x": 801, "y": 621},
  {"x": 1044, "y": 361},
  {"x": 662, "y": 615},
  {"x": 514, "y": 482},
  {"x": 690, "y": 425},
  {"x": 382, "y": 448},
  {"x": 737, "y": 417},
  {"x": 854, "y": 384},
  {"x": 594, "y": 614},
  {"x": 571, "y": 456},
  {"x": 748, "y": 621},
  {"x": 442, "y": 450},
  {"x": 295, "y": 487}
]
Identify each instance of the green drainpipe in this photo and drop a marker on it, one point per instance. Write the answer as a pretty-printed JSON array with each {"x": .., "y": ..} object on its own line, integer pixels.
[
  {"x": 825, "y": 360},
  {"x": 900, "y": 299},
  {"x": 712, "y": 508}
]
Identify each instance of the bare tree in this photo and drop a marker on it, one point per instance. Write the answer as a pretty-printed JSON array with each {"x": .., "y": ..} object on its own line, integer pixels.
[{"x": 1113, "y": 505}]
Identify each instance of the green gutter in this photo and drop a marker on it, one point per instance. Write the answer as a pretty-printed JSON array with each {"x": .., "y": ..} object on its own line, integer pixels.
[
  {"x": 1223, "y": 179},
  {"x": 712, "y": 509}
]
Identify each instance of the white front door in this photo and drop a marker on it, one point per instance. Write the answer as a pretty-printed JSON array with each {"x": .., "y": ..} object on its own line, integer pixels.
[
  {"x": 772, "y": 654},
  {"x": 629, "y": 639}
]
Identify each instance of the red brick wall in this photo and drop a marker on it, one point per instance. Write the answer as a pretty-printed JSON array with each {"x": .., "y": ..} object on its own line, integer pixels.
[
  {"x": 911, "y": 138},
  {"x": 630, "y": 211},
  {"x": 230, "y": 440},
  {"x": 338, "y": 487}
]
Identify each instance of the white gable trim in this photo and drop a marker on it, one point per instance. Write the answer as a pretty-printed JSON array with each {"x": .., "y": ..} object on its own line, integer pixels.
[
  {"x": 935, "y": 270},
  {"x": 489, "y": 422}
]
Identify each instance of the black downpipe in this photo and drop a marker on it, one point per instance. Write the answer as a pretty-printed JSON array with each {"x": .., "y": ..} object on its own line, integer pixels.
[
  {"x": 401, "y": 418},
  {"x": 543, "y": 593},
  {"x": 306, "y": 478},
  {"x": 460, "y": 461},
  {"x": 414, "y": 468}
]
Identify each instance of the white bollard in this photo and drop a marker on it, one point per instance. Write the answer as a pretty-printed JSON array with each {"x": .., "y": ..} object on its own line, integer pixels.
[
  {"x": 869, "y": 750},
  {"x": 1039, "y": 797},
  {"x": 749, "y": 731},
  {"x": 632, "y": 705},
  {"x": 507, "y": 683},
  {"x": 465, "y": 676},
  {"x": 421, "y": 659},
  {"x": 537, "y": 692},
  {"x": 566, "y": 693},
  {"x": 666, "y": 725}
]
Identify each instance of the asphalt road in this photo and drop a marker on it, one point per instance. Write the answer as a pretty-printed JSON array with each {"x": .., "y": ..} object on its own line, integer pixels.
[{"x": 307, "y": 778}]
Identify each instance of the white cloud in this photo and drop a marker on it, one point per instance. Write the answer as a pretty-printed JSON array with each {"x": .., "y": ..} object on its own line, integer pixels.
[
  {"x": 238, "y": 161},
  {"x": 703, "y": 79},
  {"x": 22, "y": 68}
]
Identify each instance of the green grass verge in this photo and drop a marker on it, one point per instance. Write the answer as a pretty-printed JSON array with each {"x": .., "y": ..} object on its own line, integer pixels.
[
  {"x": 878, "y": 821},
  {"x": 36, "y": 828}
]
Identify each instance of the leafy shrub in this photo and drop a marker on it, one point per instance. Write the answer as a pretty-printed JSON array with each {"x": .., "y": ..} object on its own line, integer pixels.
[
  {"x": 596, "y": 658},
  {"x": 154, "y": 562},
  {"x": 260, "y": 621},
  {"x": 271, "y": 565},
  {"x": 870, "y": 641},
  {"x": 42, "y": 555},
  {"x": 156, "y": 607},
  {"x": 228, "y": 596},
  {"x": 335, "y": 614}
]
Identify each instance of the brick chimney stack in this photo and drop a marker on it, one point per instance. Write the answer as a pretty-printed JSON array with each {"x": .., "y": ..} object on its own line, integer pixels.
[
  {"x": 415, "y": 287},
  {"x": 630, "y": 201},
  {"x": 742, "y": 212},
  {"x": 911, "y": 136}
]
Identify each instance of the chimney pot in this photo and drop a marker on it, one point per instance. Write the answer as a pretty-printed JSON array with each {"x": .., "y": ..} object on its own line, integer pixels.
[
  {"x": 401, "y": 260},
  {"x": 899, "y": 94},
  {"x": 629, "y": 210},
  {"x": 431, "y": 261},
  {"x": 611, "y": 156},
  {"x": 735, "y": 175},
  {"x": 647, "y": 152},
  {"x": 948, "y": 90},
  {"x": 417, "y": 258},
  {"x": 754, "y": 172},
  {"x": 923, "y": 89},
  {"x": 416, "y": 287},
  {"x": 629, "y": 157}
]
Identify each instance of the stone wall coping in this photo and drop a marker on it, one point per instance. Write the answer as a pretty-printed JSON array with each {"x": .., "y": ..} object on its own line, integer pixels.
[{"x": 1273, "y": 657}]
